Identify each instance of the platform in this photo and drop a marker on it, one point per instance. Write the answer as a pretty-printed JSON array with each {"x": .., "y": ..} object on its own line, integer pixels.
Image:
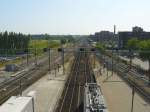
[{"x": 48, "y": 90}]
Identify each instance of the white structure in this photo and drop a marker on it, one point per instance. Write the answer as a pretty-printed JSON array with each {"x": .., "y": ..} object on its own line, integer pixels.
[
  {"x": 19, "y": 104},
  {"x": 93, "y": 99}
]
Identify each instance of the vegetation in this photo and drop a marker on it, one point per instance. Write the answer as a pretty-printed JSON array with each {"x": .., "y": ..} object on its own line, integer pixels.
[
  {"x": 144, "y": 53},
  {"x": 101, "y": 47},
  {"x": 39, "y": 45},
  {"x": 66, "y": 38},
  {"x": 14, "y": 41},
  {"x": 17, "y": 43},
  {"x": 133, "y": 44},
  {"x": 54, "y": 43}
]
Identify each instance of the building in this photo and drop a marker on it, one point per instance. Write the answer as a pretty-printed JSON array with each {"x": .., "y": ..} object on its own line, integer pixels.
[
  {"x": 137, "y": 32},
  {"x": 103, "y": 36}
]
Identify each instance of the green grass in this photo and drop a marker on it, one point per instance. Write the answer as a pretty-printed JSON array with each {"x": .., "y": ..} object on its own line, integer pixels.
[
  {"x": 54, "y": 43},
  {"x": 40, "y": 44}
]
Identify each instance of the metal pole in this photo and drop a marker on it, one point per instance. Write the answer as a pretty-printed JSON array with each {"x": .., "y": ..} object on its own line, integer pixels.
[
  {"x": 49, "y": 60},
  {"x": 20, "y": 88},
  {"x": 62, "y": 56},
  {"x": 112, "y": 48},
  {"x": 94, "y": 60},
  {"x": 58, "y": 67},
  {"x": 118, "y": 55},
  {"x": 63, "y": 61},
  {"x": 133, "y": 93},
  {"x": 33, "y": 104},
  {"x": 6, "y": 53},
  {"x": 55, "y": 69},
  {"x": 107, "y": 69},
  {"x": 27, "y": 57},
  {"x": 130, "y": 53},
  {"x": 35, "y": 53},
  {"x": 35, "y": 57}
]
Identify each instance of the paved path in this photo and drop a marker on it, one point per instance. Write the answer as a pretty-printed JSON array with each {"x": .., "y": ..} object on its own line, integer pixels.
[{"x": 118, "y": 94}]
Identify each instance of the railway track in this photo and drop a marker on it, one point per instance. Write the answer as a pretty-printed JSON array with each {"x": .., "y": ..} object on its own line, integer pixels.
[
  {"x": 17, "y": 84},
  {"x": 130, "y": 76},
  {"x": 72, "y": 96}
]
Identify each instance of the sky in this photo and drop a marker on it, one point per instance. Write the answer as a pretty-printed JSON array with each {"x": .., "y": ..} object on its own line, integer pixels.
[{"x": 73, "y": 16}]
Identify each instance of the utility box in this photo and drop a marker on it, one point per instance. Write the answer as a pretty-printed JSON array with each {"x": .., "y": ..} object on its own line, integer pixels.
[{"x": 11, "y": 68}]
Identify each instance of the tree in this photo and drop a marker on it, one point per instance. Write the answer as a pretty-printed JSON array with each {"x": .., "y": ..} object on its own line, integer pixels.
[
  {"x": 63, "y": 41},
  {"x": 132, "y": 44},
  {"x": 144, "y": 53},
  {"x": 9, "y": 42},
  {"x": 101, "y": 47}
]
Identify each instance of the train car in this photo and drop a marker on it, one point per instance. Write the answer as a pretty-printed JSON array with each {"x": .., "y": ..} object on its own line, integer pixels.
[
  {"x": 19, "y": 103},
  {"x": 93, "y": 99}
]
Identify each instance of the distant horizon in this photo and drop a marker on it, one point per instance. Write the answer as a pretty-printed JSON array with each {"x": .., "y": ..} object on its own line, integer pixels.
[
  {"x": 73, "y": 17},
  {"x": 78, "y": 34}
]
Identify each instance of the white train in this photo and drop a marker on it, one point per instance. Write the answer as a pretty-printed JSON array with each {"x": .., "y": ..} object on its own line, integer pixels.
[
  {"x": 93, "y": 99},
  {"x": 20, "y": 103}
]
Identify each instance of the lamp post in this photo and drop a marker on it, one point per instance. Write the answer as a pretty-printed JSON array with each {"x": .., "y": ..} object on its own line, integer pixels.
[
  {"x": 133, "y": 93},
  {"x": 113, "y": 48}
]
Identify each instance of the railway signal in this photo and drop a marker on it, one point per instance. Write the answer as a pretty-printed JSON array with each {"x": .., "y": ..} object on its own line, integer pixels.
[
  {"x": 93, "y": 49},
  {"x": 59, "y": 49},
  {"x": 82, "y": 49},
  {"x": 62, "y": 53},
  {"x": 45, "y": 49}
]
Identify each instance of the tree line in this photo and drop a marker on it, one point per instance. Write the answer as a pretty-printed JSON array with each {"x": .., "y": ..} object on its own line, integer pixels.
[{"x": 12, "y": 40}]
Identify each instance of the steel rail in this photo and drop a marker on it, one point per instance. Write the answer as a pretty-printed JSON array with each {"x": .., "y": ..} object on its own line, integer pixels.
[
  {"x": 62, "y": 104},
  {"x": 121, "y": 69},
  {"x": 76, "y": 73}
]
